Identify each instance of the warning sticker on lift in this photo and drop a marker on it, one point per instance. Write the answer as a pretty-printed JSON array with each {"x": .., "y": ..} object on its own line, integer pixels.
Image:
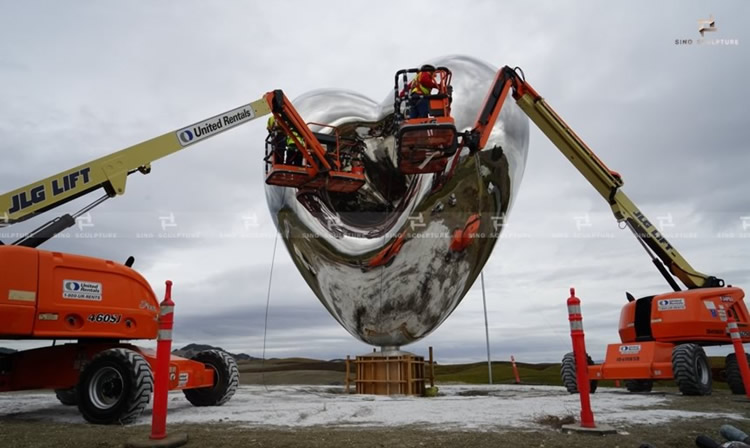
[
  {"x": 81, "y": 290},
  {"x": 671, "y": 304},
  {"x": 214, "y": 125}
]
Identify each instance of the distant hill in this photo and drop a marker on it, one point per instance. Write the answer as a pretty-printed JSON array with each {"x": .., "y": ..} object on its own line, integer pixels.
[{"x": 191, "y": 350}]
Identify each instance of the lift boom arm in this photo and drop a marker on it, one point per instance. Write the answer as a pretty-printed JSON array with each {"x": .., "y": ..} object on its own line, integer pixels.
[
  {"x": 604, "y": 180},
  {"x": 111, "y": 171}
]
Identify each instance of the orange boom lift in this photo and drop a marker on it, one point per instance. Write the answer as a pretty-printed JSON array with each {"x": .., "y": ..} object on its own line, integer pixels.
[
  {"x": 104, "y": 304},
  {"x": 662, "y": 335}
]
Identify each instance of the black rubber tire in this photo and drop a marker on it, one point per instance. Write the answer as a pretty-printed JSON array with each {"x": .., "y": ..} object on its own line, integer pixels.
[
  {"x": 68, "y": 397},
  {"x": 115, "y": 387},
  {"x": 691, "y": 370},
  {"x": 226, "y": 375},
  {"x": 636, "y": 386},
  {"x": 568, "y": 374},
  {"x": 733, "y": 374}
]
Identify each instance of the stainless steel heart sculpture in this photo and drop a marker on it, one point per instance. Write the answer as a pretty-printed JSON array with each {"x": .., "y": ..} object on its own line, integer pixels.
[{"x": 393, "y": 260}]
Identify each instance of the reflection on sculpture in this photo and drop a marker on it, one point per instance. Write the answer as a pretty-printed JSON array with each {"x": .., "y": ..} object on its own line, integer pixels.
[{"x": 392, "y": 260}]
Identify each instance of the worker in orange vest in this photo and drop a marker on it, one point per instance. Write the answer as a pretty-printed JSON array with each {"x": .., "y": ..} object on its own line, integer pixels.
[{"x": 419, "y": 89}]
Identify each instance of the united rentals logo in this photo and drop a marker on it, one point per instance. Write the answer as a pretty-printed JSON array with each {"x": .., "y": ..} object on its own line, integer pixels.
[
  {"x": 82, "y": 290},
  {"x": 214, "y": 125},
  {"x": 630, "y": 349},
  {"x": 707, "y": 25}
]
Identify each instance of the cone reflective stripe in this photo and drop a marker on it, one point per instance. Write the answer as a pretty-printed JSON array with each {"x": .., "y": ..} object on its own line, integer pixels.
[
  {"x": 576, "y": 325},
  {"x": 579, "y": 351},
  {"x": 739, "y": 352},
  {"x": 165, "y": 334},
  {"x": 734, "y": 331},
  {"x": 161, "y": 375}
]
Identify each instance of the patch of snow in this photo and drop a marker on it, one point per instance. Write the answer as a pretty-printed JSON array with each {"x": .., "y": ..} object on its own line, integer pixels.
[{"x": 464, "y": 407}]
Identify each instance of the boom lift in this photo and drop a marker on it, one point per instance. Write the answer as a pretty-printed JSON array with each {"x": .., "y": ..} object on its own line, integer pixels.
[
  {"x": 52, "y": 295},
  {"x": 424, "y": 144},
  {"x": 323, "y": 169},
  {"x": 662, "y": 335}
]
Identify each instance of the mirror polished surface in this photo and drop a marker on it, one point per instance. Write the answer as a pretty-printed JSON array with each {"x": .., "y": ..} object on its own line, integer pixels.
[{"x": 393, "y": 260}]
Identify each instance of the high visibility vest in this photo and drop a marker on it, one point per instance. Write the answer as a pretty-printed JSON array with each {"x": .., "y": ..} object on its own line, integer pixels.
[
  {"x": 290, "y": 140},
  {"x": 417, "y": 87}
]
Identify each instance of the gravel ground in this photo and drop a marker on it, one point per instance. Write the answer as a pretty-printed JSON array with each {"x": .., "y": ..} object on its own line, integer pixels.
[{"x": 38, "y": 435}]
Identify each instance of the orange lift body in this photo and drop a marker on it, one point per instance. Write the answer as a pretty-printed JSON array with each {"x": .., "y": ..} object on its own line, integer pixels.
[
  {"x": 651, "y": 326},
  {"x": 51, "y": 295}
]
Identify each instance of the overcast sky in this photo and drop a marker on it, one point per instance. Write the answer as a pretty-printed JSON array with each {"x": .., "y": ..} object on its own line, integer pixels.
[{"x": 81, "y": 79}]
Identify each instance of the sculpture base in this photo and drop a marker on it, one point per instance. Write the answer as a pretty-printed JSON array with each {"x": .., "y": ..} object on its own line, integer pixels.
[{"x": 390, "y": 373}]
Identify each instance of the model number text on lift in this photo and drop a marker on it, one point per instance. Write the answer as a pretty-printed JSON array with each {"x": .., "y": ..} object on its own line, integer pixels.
[{"x": 105, "y": 318}]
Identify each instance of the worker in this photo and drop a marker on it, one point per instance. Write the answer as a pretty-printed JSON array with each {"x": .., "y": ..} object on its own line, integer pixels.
[
  {"x": 284, "y": 149},
  {"x": 276, "y": 140},
  {"x": 419, "y": 89}
]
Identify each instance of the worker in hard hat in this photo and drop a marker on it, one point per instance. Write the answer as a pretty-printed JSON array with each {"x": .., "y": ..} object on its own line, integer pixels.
[
  {"x": 419, "y": 89},
  {"x": 284, "y": 149}
]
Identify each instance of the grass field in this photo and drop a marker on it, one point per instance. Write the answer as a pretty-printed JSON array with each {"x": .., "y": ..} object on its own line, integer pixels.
[{"x": 311, "y": 371}]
